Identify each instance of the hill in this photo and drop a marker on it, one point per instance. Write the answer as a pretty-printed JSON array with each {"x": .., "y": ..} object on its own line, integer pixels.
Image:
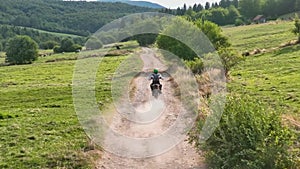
[
  {"x": 271, "y": 77},
  {"x": 137, "y": 3},
  {"x": 145, "y": 4},
  {"x": 260, "y": 36},
  {"x": 71, "y": 17}
]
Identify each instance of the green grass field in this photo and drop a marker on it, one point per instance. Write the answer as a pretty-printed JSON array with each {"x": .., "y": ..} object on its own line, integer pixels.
[
  {"x": 272, "y": 77},
  {"x": 38, "y": 123},
  {"x": 260, "y": 36}
]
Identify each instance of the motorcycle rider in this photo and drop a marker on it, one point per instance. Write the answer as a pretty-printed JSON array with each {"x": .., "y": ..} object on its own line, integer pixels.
[{"x": 155, "y": 76}]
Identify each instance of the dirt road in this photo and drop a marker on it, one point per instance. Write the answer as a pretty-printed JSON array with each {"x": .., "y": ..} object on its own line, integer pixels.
[{"x": 162, "y": 115}]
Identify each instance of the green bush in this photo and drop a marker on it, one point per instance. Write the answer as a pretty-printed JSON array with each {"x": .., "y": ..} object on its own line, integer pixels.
[
  {"x": 93, "y": 43},
  {"x": 67, "y": 45},
  {"x": 48, "y": 45},
  {"x": 145, "y": 39},
  {"x": 195, "y": 65},
  {"x": 76, "y": 48},
  {"x": 56, "y": 49},
  {"x": 239, "y": 22},
  {"x": 296, "y": 29},
  {"x": 249, "y": 136},
  {"x": 21, "y": 50},
  {"x": 214, "y": 33},
  {"x": 229, "y": 58}
]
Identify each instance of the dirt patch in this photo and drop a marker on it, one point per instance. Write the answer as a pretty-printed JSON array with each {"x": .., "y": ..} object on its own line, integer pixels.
[{"x": 183, "y": 155}]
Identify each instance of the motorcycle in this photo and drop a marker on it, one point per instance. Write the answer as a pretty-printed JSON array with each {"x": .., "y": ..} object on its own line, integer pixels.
[{"x": 155, "y": 90}]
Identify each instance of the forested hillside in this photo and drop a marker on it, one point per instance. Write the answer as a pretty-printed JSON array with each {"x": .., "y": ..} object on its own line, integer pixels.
[
  {"x": 237, "y": 12},
  {"x": 136, "y": 3},
  {"x": 80, "y": 18}
]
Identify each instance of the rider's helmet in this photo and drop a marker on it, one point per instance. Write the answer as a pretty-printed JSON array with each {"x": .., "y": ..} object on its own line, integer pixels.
[{"x": 155, "y": 71}]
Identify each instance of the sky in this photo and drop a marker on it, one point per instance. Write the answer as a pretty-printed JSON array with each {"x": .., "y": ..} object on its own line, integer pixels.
[{"x": 173, "y": 4}]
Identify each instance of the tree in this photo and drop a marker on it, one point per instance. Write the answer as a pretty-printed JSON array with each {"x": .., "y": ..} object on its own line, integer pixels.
[
  {"x": 235, "y": 3},
  {"x": 67, "y": 45},
  {"x": 178, "y": 11},
  {"x": 199, "y": 8},
  {"x": 93, "y": 43},
  {"x": 146, "y": 39},
  {"x": 296, "y": 29},
  {"x": 184, "y": 8},
  {"x": 48, "y": 45},
  {"x": 250, "y": 8},
  {"x": 270, "y": 8},
  {"x": 297, "y": 5},
  {"x": 223, "y": 3},
  {"x": 214, "y": 33},
  {"x": 180, "y": 27},
  {"x": 207, "y": 5},
  {"x": 218, "y": 15},
  {"x": 195, "y": 7},
  {"x": 232, "y": 15},
  {"x": 21, "y": 50}
]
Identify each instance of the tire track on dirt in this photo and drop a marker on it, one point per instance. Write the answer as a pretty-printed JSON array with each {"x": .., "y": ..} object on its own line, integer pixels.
[{"x": 163, "y": 113}]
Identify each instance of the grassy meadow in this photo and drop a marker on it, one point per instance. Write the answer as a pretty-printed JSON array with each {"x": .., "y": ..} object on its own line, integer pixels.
[
  {"x": 272, "y": 77},
  {"x": 38, "y": 123},
  {"x": 260, "y": 36}
]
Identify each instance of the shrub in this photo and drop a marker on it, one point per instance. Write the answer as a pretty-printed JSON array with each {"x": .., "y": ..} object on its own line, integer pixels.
[
  {"x": 93, "y": 43},
  {"x": 48, "y": 45},
  {"x": 214, "y": 33},
  {"x": 239, "y": 22},
  {"x": 145, "y": 39},
  {"x": 229, "y": 58},
  {"x": 76, "y": 48},
  {"x": 195, "y": 65},
  {"x": 176, "y": 47},
  {"x": 249, "y": 136},
  {"x": 296, "y": 29},
  {"x": 67, "y": 45},
  {"x": 21, "y": 50}
]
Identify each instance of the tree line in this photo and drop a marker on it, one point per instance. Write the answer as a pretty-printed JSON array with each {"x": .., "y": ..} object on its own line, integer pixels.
[
  {"x": 43, "y": 39},
  {"x": 236, "y": 11}
]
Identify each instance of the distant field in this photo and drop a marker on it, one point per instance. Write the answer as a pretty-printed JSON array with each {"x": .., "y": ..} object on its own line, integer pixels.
[
  {"x": 289, "y": 16},
  {"x": 55, "y": 33},
  {"x": 262, "y": 36},
  {"x": 38, "y": 124}
]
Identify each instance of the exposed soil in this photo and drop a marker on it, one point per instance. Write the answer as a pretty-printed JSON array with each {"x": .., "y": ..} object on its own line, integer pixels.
[{"x": 183, "y": 155}]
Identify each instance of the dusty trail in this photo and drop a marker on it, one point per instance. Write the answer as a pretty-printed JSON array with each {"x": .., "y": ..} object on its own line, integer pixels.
[{"x": 163, "y": 116}]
